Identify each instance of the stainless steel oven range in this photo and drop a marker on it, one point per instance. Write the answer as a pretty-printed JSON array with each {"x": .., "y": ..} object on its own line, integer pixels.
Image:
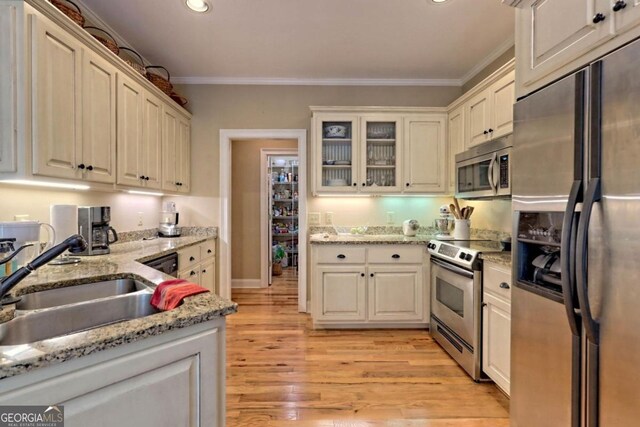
[{"x": 456, "y": 300}]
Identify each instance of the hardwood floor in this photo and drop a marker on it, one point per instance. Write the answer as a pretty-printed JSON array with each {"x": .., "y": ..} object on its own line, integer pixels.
[{"x": 280, "y": 372}]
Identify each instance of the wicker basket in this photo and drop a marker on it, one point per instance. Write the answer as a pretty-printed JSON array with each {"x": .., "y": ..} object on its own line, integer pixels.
[
  {"x": 180, "y": 100},
  {"x": 162, "y": 83},
  {"x": 109, "y": 42},
  {"x": 138, "y": 66},
  {"x": 72, "y": 11}
]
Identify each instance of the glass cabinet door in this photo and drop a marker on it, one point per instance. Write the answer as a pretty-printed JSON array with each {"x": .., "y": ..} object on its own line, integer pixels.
[
  {"x": 338, "y": 154},
  {"x": 381, "y": 154}
]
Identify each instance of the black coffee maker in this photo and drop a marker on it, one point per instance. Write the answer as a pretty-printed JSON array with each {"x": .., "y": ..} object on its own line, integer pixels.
[{"x": 93, "y": 225}]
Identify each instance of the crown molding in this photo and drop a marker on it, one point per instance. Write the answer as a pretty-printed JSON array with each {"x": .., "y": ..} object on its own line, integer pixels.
[
  {"x": 502, "y": 48},
  {"x": 313, "y": 82}
]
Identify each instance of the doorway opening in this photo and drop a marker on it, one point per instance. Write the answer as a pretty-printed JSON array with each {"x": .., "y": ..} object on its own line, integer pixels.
[{"x": 263, "y": 193}]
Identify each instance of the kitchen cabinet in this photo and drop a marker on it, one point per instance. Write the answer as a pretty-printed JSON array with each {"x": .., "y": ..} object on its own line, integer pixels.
[
  {"x": 375, "y": 150},
  {"x": 490, "y": 112},
  {"x": 197, "y": 264},
  {"x": 456, "y": 134},
  {"x": 557, "y": 37},
  {"x": 73, "y": 111},
  {"x": 176, "y": 150},
  {"x": 424, "y": 170},
  {"x": 128, "y": 385},
  {"x": 496, "y": 324},
  {"x": 368, "y": 286}
]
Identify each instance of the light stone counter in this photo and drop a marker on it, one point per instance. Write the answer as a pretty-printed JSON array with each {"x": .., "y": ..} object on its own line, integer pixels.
[
  {"x": 123, "y": 262},
  {"x": 369, "y": 239},
  {"x": 501, "y": 258}
]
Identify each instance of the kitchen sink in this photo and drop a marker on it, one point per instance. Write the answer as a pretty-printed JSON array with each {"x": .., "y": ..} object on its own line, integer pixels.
[
  {"x": 79, "y": 293},
  {"x": 72, "y": 318}
]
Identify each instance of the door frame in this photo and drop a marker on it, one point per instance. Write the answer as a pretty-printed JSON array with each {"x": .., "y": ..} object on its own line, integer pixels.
[
  {"x": 226, "y": 137},
  {"x": 265, "y": 153}
]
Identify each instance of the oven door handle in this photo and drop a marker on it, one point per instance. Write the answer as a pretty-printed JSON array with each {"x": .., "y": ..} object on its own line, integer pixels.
[{"x": 452, "y": 268}]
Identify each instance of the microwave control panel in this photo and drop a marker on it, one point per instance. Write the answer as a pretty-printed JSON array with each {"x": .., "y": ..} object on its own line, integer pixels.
[{"x": 504, "y": 171}]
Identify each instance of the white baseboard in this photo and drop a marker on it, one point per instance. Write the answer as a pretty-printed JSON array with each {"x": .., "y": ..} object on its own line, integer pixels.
[{"x": 246, "y": 283}]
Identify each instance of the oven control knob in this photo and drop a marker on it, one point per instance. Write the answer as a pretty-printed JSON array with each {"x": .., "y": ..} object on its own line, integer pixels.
[
  {"x": 462, "y": 255},
  {"x": 468, "y": 257}
]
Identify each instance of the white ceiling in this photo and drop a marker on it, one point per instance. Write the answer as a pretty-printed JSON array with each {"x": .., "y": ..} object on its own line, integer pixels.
[{"x": 410, "y": 41}]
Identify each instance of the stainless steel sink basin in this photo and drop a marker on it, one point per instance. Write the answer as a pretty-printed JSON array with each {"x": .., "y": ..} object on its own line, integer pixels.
[
  {"x": 68, "y": 319},
  {"x": 78, "y": 293}
]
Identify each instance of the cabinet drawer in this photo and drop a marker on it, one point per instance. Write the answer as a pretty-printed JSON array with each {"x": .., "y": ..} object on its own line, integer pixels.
[
  {"x": 208, "y": 249},
  {"x": 395, "y": 254},
  {"x": 342, "y": 254},
  {"x": 497, "y": 279},
  {"x": 188, "y": 257}
]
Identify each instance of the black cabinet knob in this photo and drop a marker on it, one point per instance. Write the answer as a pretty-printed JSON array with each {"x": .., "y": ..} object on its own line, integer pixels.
[
  {"x": 361, "y": 274},
  {"x": 484, "y": 304},
  {"x": 355, "y": 184},
  {"x": 89, "y": 168},
  {"x": 208, "y": 251},
  {"x": 342, "y": 256},
  {"x": 204, "y": 271},
  {"x": 504, "y": 285},
  {"x": 619, "y": 5},
  {"x": 407, "y": 184},
  {"x": 146, "y": 178},
  {"x": 192, "y": 259},
  {"x": 371, "y": 274},
  {"x": 486, "y": 132},
  {"x": 81, "y": 166},
  {"x": 141, "y": 176},
  {"x": 490, "y": 130},
  {"x": 193, "y": 273},
  {"x": 599, "y": 17},
  {"x": 363, "y": 184},
  {"x": 395, "y": 256}
]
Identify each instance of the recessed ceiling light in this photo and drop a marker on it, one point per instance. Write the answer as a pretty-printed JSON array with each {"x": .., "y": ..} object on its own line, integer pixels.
[
  {"x": 200, "y": 6},
  {"x": 438, "y": 1}
]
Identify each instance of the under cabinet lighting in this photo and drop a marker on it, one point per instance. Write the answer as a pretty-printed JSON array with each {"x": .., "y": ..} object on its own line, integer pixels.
[
  {"x": 46, "y": 184},
  {"x": 199, "y": 6},
  {"x": 145, "y": 193}
]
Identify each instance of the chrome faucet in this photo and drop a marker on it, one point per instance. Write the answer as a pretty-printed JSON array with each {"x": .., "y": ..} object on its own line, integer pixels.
[{"x": 74, "y": 244}]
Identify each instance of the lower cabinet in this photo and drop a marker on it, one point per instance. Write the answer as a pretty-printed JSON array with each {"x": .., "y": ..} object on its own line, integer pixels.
[
  {"x": 197, "y": 264},
  {"x": 173, "y": 379},
  {"x": 368, "y": 287},
  {"x": 496, "y": 325}
]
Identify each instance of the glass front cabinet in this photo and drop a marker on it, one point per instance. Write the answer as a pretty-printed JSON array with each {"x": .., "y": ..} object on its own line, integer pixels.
[
  {"x": 362, "y": 152},
  {"x": 357, "y": 154}
]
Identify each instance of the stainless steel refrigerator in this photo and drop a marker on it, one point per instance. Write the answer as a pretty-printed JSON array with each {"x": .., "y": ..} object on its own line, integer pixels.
[{"x": 575, "y": 340}]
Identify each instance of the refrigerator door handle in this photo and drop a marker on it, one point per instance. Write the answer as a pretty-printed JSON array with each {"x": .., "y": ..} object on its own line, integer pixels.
[
  {"x": 566, "y": 255},
  {"x": 591, "y": 326}
]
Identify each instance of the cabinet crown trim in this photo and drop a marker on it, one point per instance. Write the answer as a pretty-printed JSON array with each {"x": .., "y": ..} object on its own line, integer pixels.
[
  {"x": 497, "y": 75},
  {"x": 366, "y": 110}
]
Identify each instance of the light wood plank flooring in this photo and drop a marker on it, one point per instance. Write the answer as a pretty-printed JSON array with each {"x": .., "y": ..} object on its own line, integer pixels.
[{"x": 280, "y": 372}]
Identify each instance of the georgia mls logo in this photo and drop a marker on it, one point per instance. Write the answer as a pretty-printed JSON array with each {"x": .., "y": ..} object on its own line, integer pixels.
[{"x": 32, "y": 416}]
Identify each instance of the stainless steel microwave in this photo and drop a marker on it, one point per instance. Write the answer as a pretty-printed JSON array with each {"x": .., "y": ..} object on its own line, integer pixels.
[{"x": 484, "y": 171}]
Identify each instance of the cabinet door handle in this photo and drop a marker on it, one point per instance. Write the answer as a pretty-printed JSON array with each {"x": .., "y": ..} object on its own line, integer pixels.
[
  {"x": 599, "y": 17},
  {"x": 619, "y": 5},
  {"x": 193, "y": 273},
  {"x": 486, "y": 132},
  {"x": 504, "y": 285},
  {"x": 89, "y": 168},
  {"x": 408, "y": 184},
  {"x": 81, "y": 166},
  {"x": 484, "y": 304},
  {"x": 395, "y": 256},
  {"x": 208, "y": 251},
  {"x": 204, "y": 271},
  {"x": 141, "y": 176},
  {"x": 371, "y": 274},
  {"x": 490, "y": 130},
  {"x": 342, "y": 256},
  {"x": 361, "y": 274},
  {"x": 355, "y": 184},
  {"x": 363, "y": 184},
  {"x": 192, "y": 258}
]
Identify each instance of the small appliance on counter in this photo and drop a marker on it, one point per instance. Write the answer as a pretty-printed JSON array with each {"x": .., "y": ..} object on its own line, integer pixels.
[
  {"x": 410, "y": 227},
  {"x": 444, "y": 224},
  {"x": 169, "y": 218},
  {"x": 27, "y": 234},
  {"x": 93, "y": 225}
]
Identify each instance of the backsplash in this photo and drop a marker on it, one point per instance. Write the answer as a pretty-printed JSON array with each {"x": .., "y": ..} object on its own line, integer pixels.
[{"x": 151, "y": 233}]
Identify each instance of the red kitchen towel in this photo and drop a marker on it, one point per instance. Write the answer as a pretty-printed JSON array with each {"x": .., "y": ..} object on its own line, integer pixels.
[{"x": 170, "y": 293}]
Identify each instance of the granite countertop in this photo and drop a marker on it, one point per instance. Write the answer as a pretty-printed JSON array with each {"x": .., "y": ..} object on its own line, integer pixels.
[
  {"x": 369, "y": 239},
  {"x": 123, "y": 262},
  {"x": 501, "y": 258}
]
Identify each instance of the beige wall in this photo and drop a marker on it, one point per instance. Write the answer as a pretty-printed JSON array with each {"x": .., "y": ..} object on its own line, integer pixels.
[
  {"x": 35, "y": 202},
  {"x": 489, "y": 69},
  {"x": 246, "y": 226},
  {"x": 218, "y": 107}
]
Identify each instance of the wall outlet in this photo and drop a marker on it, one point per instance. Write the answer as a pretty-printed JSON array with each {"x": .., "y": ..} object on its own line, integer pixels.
[
  {"x": 390, "y": 216},
  {"x": 313, "y": 218},
  {"x": 328, "y": 218},
  {"x": 24, "y": 217},
  {"x": 140, "y": 219}
]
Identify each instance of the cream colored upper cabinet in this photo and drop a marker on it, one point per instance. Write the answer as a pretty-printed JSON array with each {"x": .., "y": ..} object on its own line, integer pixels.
[
  {"x": 552, "y": 33},
  {"x": 98, "y": 119},
  {"x": 336, "y": 153},
  {"x": 626, "y": 15},
  {"x": 424, "y": 166},
  {"x": 151, "y": 149},
  {"x": 8, "y": 86},
  {"x": 479, "y": 118},
  {"x": 56, "y": 98},
  {"x": 502, "y": 98},
  {"x": 184, "y": 153},
  {"x": 456, "y": 143},
  {"x": 176, "y": 149},
  {"x": 130, "y": 131},
  {"x": 380, "y": 153}
]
